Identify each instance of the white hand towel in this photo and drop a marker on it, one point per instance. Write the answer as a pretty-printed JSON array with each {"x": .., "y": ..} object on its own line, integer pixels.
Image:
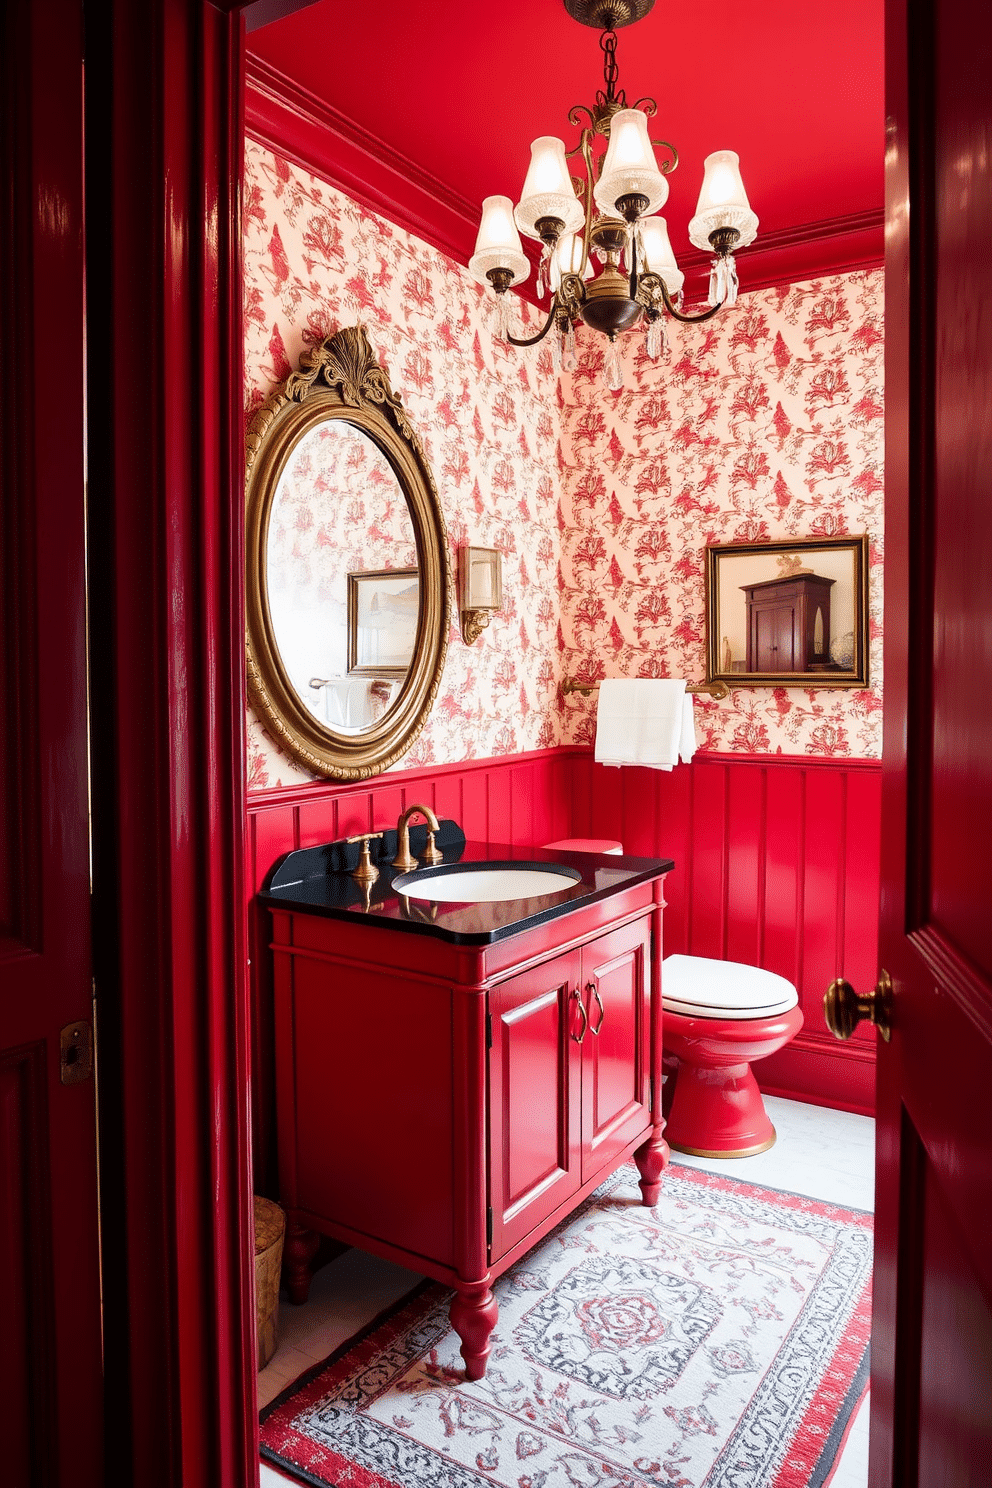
[
  {"x": 642, "y": 721},
  {"x": 347, "y": 702},
  {"x": 687, "y": 733}
]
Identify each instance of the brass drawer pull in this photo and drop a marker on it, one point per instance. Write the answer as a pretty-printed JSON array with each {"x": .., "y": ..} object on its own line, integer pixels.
[
  {"x": 593, "y": 988},
  {"x": 585, "y": 1017}
]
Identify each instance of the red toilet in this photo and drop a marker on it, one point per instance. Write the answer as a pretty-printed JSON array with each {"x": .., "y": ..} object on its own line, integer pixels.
[{"x": 719, "y": 1016}]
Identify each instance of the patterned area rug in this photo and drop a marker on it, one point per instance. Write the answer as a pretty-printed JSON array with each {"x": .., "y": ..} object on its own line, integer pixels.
[{"x": 720, "y": 1339}]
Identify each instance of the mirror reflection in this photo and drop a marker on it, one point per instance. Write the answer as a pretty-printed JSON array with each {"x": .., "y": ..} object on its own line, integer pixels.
[{"x": 342, "y": 577}]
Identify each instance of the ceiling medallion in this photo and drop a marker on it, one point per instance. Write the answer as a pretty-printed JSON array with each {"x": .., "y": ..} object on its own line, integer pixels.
[{"x": 611, "y": 213}]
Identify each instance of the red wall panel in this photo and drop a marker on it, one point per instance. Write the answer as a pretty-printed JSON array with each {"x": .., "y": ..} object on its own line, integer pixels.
[{"x": 776, "y": 864}]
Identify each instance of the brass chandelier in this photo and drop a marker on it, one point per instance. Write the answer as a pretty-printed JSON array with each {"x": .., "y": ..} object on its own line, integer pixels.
[{"x": 610, "y": 213}]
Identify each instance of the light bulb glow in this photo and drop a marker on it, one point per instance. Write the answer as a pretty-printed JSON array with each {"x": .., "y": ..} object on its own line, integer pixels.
[
  {"x": 629, "y": 146},
  {"x": 722, "y": 185},
  {"x": 497, "y": 228},
  {"x": 548, "y": 171},
  {"x": 567, "y": 259}
]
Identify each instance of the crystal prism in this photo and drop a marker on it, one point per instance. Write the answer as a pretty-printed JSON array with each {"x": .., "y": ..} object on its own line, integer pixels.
[
  {"x": 612, "y": 369},
  {"x": 723, "y": 281},
  {"x": 569, "y": 350}
]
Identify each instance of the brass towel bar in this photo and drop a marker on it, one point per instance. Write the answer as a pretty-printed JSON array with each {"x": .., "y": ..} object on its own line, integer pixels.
[{"x": 716, "y": 690}]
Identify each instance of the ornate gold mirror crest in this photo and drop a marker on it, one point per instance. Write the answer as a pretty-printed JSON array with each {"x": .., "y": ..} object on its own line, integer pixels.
[{"x": 343, "y": 668}]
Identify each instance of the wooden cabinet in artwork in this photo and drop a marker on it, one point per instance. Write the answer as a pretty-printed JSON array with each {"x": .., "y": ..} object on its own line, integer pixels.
[{"x": 788, "y": 624}]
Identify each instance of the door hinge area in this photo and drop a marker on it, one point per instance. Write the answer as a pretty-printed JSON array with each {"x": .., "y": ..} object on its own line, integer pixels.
[
  {"x": 489, "y": 1030},
  {"x": 489, "y": 1226},
  {"x": 75, "y": 1053}
]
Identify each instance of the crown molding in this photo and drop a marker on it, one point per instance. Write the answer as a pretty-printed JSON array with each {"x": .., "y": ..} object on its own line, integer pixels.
[
  {"x": 792, "y": 255},
  {"x": 301, "y": 127},
  {"x": 296, "y": 124}
]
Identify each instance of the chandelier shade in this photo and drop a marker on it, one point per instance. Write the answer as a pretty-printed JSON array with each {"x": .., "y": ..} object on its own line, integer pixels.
[
  {"x": 567, "y": 259},
  {"x": 722, "y": 202},
  {"x": 548, "y": 193},
  {"x": 630, "y": 168},
  {"x": 498, "y": 246},
  {"x": 658, "y": 255}
]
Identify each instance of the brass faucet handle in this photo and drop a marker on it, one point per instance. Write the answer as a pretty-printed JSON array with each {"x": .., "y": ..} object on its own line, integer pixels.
[
  {"x": 431, "y": 853},
  {"x": 366, "y": 872}
]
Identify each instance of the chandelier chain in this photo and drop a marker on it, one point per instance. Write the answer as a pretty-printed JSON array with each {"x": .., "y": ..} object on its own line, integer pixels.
[{"x": 608, "y": 42}]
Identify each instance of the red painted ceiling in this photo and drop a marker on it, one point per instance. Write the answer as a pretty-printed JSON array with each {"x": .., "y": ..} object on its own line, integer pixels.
[{"x": 462, "y": 87}]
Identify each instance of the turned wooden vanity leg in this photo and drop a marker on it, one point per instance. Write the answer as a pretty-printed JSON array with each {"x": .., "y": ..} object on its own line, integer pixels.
[
  {"x": 652, "y": 1160},
  {"x": 299, "y": 1249},
  {"x": 473, "y": 1315}
]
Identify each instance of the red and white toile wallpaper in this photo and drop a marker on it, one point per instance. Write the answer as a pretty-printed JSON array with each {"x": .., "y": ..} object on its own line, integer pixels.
[
  {"x": 766, "y": 422},
  {"x": 315, "y": 261}
]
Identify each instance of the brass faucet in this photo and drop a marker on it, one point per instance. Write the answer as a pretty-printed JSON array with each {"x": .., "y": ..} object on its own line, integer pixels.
[{"x": 404, "y": 858}]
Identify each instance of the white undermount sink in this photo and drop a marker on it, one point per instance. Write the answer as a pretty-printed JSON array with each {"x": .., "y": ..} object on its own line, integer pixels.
[{"x": 480, "y": 882}]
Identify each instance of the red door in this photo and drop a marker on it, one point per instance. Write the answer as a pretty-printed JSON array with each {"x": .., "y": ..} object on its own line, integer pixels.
[
  {"x": 50, "y": 1364},
  {"x": 932, "y": 1338}
]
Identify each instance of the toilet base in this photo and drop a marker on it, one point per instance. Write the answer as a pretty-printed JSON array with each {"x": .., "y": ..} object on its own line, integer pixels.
[
  {"x": 738, "y": 1152},
  {"x": 718, "y": 1113},
  {"x": 716, "y": 1109}
]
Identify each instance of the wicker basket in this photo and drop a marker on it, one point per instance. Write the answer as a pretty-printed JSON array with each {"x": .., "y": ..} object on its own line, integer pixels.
[{"x": 270, "y": 1228}]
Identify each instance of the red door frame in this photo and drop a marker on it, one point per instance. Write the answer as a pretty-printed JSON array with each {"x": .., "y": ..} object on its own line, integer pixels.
[
  {"x": 163, "y": 171},
  {"x": 50, "y": 1364}
]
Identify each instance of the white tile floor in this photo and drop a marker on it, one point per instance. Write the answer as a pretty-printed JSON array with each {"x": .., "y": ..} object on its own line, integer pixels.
[{"x": 826, "y": 1154}]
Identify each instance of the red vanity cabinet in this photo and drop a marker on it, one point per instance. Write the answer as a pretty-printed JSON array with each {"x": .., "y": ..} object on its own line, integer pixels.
[{"x": 445, "y": 1105}]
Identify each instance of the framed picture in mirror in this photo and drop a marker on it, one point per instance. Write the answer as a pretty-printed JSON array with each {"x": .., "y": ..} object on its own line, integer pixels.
[
  {"x": 383, "y": 606},
  {"x": 788, "y": 614}
]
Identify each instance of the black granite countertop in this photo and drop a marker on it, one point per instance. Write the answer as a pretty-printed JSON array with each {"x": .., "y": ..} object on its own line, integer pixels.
[{"x": 306, "y": 881}]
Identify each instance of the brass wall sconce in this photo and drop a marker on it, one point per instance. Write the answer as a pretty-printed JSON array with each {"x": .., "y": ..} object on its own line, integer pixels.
[{"x": 480, "y": 589}]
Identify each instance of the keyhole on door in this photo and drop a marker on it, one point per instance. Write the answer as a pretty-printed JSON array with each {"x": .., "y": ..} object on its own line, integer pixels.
[{"x": 75, "y": 1053}]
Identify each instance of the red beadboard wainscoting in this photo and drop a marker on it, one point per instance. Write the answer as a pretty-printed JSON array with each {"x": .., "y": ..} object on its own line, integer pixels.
[{"x": 776, "y": 864}]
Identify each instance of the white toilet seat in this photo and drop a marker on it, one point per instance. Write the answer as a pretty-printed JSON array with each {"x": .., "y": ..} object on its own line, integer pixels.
[{"x": 698, "y": 987}]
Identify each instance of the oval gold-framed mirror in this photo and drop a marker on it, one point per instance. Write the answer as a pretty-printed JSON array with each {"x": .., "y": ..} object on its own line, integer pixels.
[{"x": 346, "y": 565}]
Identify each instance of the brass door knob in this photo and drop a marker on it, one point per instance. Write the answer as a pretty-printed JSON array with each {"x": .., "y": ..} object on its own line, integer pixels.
[{"x": 844, "y": 1008}]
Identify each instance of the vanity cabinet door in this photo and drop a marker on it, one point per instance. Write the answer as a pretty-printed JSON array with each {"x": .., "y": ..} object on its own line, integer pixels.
[
  {"x": 534, "y": 1097},
  {"x": 616, "y": 976}
]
